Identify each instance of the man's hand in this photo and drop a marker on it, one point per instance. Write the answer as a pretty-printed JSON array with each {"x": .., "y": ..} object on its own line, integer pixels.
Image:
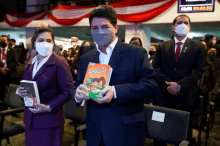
[
  {"x": 72, "y": 59},
  {"x": 173, "y": 87},
  {"x": 212, "y": 49},
  {"x": 3, "y": 71},
  {"x": 107, "y": 93},
  {"x": 80, "y": 94},
  {"x": 39, "y": 108}
]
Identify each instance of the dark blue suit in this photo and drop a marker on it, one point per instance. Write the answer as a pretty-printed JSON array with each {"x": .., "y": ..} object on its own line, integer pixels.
[{"x": 120, "y": 122}]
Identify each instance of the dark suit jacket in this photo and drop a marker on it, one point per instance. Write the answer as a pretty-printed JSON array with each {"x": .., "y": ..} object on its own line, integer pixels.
[
  {"x": 54, "y": 81},
  {"x": 186, "y": 72},
  {"x": 121, "y": 122},
  {"x": 74, "y": 51},
  {"x": 11, "y": 61},
  {"x": 88, "y": 49}
]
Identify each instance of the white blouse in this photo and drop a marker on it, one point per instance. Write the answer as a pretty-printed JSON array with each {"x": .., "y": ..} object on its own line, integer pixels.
[{"x": 37, "y": 67}]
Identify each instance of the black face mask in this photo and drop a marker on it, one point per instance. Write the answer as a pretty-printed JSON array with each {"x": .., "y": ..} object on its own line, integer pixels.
[
  {"x": 135, "y": 43},
  {"x": 3, "y": 44},
  {"x": 151, "y": 52},
  {"x": 61, "y": 49}
]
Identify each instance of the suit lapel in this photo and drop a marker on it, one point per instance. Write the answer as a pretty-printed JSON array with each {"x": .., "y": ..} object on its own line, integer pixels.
[
  {"x": 95, "y": 56},
  {"x": 116, "y": 55},
  {"x": 51, "y": 60},
  {"x": 171, "y": 51}
]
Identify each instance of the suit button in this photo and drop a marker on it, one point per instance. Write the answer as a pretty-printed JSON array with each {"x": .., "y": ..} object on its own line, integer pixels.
[{"x": 175, "y": 69}]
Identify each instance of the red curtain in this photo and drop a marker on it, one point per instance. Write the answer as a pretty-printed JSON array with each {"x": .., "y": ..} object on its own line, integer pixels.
[
  {"x": 67, "y": 17},
  {"x": 146, "y": 15},
  {"x": 27, "y": 16}
]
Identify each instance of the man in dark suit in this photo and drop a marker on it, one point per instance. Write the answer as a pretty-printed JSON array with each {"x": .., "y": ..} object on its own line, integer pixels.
[
  {"x": 118, "y": 118},
  {"x": 8, "y": 63},
  {"x": 179, "y": 65}
]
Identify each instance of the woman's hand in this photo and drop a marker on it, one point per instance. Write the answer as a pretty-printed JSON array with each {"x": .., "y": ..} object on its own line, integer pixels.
[
  {"x": 21, "y": 92},
  {"x": 39, "y": 108}
]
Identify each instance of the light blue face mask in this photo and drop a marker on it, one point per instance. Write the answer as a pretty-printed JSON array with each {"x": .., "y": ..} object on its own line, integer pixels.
[{"x": 102, "y": 36}]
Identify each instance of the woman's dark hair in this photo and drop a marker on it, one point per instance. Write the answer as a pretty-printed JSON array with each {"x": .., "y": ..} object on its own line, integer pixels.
[
  {"x": 38, "y": 31},
  {"x": 104, "y": 11},
  {"x": 136, "y": 38}
]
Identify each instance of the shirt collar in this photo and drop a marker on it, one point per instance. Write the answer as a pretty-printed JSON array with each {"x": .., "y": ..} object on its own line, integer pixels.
[
  {"x": 110, "y": 47},
  {"x": 44, "y": 60},
  {"x": 183, "y": 41}
]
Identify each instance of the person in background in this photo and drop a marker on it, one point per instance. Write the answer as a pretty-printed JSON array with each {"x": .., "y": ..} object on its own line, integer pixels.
[
  {"x": 152, "y": 51},
  {"x": 32, "y": 52},
  {"x": 44, "y": 124},
  {"x": 75, "y": 48},
  {"x": 8, "y": 63},
  {"x": 65, "y": 54},
  {"x": 179, "y": 65},
  {"x": 118, "y": 118},
  {"x": 207, "y": 84},
  {"x": 23, "y": 53},
  {"x": 136, "y": 41},
  {"x": 77, "y": 58},
  {"x": 61, "y": 49}
]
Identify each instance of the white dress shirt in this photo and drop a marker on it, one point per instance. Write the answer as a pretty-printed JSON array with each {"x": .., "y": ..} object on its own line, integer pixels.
[
  {"x": 181, "y": 46},
  {"x": 4, "y": 61},
  {"x": 36, "y": 66}
]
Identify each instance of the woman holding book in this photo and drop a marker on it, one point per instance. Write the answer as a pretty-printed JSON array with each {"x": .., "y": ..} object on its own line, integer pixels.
[{"x": 44, "y": 123}]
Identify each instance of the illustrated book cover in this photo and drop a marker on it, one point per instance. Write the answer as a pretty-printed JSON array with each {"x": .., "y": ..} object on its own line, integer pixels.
[
  {"x": 33, "y": 94},
  {"x": 97, "y": 78}
]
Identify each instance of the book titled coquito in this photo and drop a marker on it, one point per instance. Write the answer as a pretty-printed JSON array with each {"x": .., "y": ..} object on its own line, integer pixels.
[
  {"x": 97, "y": 78},
  {"x": 32, "y": 91}
]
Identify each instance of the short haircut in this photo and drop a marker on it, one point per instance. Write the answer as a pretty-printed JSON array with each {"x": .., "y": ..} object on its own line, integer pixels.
[
  {"x": 6, "y": 37},
  {"x": 136, "y": 38},
  {"x": 182, "y": 15},
  {"x": 41, "y": 30},
  {"x": 104, "y": 11},
  {"x": 13, "y": 40},
  {"x": 154, "y": 46}
]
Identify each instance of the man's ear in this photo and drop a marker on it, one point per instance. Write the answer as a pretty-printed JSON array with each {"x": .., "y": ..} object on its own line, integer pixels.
[
  {"x": 172, "y": 27},
  {"x": 116, "y": 28}
]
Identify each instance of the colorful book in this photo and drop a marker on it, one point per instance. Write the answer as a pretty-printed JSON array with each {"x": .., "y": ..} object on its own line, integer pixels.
[
  {"x": 97, "y": 78},
  {"x": 33, "y": 94}
]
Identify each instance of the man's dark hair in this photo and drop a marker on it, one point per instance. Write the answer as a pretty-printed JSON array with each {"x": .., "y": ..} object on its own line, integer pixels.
[
  {"x": 182, "y": 15},
  {"x": 104, "y": 11},
  {"x": 41, "y": 30},
  {"x": 13, "y": 40},
  {"x": 136, "y": 38},
  {"x": 6, "y": 37}
]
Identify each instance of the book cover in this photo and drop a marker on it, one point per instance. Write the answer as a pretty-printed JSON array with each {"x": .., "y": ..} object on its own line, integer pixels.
[
  {"x": 97, "y": 78},
  {"x": 32, "y": 90}
]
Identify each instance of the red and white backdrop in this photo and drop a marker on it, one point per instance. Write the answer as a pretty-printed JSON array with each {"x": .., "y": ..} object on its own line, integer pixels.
[{"x": 127, "y": 10}]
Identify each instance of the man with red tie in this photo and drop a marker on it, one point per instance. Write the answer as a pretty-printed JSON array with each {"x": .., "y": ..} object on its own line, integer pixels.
[
  {"x": 8, "y": 63},
  {"x": 179, "y": 65}
]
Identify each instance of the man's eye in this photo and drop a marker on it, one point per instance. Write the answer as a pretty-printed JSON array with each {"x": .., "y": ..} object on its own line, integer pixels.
[{"x": 186, "y": 23}]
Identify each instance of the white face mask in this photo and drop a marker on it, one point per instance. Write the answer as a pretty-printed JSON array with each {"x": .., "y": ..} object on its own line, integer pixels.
[
  {"x": 214, "y": 42},
  {"x": 44, "y": 48},
  {"x": 182, "y": 29},
  {"x": 74, "y": 44}
]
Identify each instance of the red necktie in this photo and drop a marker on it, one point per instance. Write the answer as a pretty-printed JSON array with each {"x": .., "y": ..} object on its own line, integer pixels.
[
  {"x": 3, "y": 57},
  {"x": 178, "y": 51}
]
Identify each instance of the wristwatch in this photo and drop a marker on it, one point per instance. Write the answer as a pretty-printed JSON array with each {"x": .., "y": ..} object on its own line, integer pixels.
[{"x": 49, "y": 108}]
